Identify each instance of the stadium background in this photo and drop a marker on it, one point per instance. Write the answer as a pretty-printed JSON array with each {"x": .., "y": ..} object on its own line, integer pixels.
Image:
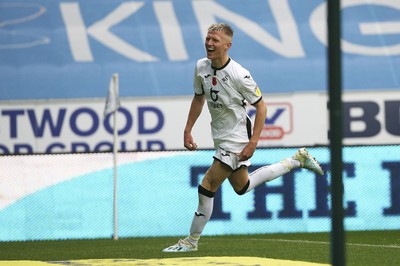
[{"x": 56, "y": 59}]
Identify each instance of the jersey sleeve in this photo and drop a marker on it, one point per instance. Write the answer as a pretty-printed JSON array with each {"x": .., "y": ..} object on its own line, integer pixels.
[
  {"x": 197, "y": 82},
  {"x": 248, "y": 87}
]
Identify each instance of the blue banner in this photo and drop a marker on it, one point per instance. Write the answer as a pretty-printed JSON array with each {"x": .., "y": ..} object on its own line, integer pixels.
[
  {"x": 157, "y": 195},
  {"x": 69, "y": 49}
]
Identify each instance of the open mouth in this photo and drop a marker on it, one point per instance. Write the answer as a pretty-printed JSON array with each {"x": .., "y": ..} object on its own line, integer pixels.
[{"x": 210, "y": 50}]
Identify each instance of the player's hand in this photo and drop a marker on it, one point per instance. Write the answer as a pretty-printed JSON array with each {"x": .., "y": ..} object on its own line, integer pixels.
[
  {"x": 188, "y": 142},
  {"x": 247, "y": 152}
]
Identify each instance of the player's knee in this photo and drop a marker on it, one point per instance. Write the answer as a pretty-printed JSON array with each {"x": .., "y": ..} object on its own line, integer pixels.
[{"x": 244, "y": 189}]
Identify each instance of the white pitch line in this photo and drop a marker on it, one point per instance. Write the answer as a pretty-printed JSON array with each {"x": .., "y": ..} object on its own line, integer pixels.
[{"x": 327, "y": 243}]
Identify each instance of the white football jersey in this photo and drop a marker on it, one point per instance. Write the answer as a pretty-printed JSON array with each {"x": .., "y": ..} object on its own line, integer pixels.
[{"x": 226, "y": 90}]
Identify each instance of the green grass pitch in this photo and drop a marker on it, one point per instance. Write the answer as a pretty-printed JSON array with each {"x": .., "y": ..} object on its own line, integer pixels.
[{"x": 362, "y": 248}]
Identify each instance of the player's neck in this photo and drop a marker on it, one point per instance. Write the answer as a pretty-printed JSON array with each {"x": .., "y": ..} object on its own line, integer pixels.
[{"x": 220, "y": 62}]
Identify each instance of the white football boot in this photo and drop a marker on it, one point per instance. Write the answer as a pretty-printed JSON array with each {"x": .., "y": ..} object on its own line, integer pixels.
[
  {"x": 307, "y": 161},
  {"x": 183, "y": 245}
]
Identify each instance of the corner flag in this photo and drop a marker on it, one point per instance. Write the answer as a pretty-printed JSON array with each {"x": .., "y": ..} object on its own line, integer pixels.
[
  {"x": 112, "y": 105},
  {"x": 112, "y": 101}
]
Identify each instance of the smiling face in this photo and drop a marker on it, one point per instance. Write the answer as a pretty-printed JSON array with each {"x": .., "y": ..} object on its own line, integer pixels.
[{"x": 217, "y": 44}]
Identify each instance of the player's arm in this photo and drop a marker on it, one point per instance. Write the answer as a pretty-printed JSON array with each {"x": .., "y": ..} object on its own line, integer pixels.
[
  {"x": 259, "y": 120},
  {"x": 195, "y": 110}
]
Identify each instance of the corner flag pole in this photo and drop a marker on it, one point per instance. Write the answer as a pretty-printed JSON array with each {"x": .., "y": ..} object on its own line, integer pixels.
[
  {"x": 115, "y": 197},
  {"x": 338, "y": 257},
  {"x": 112, "y": 105}
]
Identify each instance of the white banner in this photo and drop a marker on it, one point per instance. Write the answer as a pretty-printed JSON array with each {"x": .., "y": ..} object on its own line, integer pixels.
[{"x": 299, "y": 119}]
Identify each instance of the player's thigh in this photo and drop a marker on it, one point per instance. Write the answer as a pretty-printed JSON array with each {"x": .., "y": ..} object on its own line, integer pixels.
[
  {"x": 215, "y": 175},
  {"x": 239, "y": 178}
]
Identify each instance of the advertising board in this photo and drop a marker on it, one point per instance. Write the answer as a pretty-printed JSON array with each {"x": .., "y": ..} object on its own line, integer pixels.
[
  {"x": 71, "y": 195},
  {"x": 150, "y": 124}
]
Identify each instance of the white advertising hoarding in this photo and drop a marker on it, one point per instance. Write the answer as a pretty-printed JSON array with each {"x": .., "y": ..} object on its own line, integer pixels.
[{"x": 296, "y": 119}]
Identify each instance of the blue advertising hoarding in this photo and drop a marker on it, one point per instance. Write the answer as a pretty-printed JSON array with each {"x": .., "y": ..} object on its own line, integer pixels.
[
  {"x": 71, "y": 196},
  {"x": 51, "y": 49}
]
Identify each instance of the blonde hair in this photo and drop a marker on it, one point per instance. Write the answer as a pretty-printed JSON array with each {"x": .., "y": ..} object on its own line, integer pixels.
[{"x": 221, "y": 27}]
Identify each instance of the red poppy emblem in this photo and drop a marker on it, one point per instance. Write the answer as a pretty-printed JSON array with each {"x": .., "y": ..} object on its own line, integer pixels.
[{"x": 214, "y": 81}]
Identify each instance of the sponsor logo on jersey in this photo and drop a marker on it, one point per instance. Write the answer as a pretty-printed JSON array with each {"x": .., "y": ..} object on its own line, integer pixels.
[{"x": 258, "y": 92}]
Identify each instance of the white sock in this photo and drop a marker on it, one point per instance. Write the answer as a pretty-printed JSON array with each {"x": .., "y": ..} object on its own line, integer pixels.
[
  {"x": 270, "y": 172},
  {"x": 201, "y": 217}
]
